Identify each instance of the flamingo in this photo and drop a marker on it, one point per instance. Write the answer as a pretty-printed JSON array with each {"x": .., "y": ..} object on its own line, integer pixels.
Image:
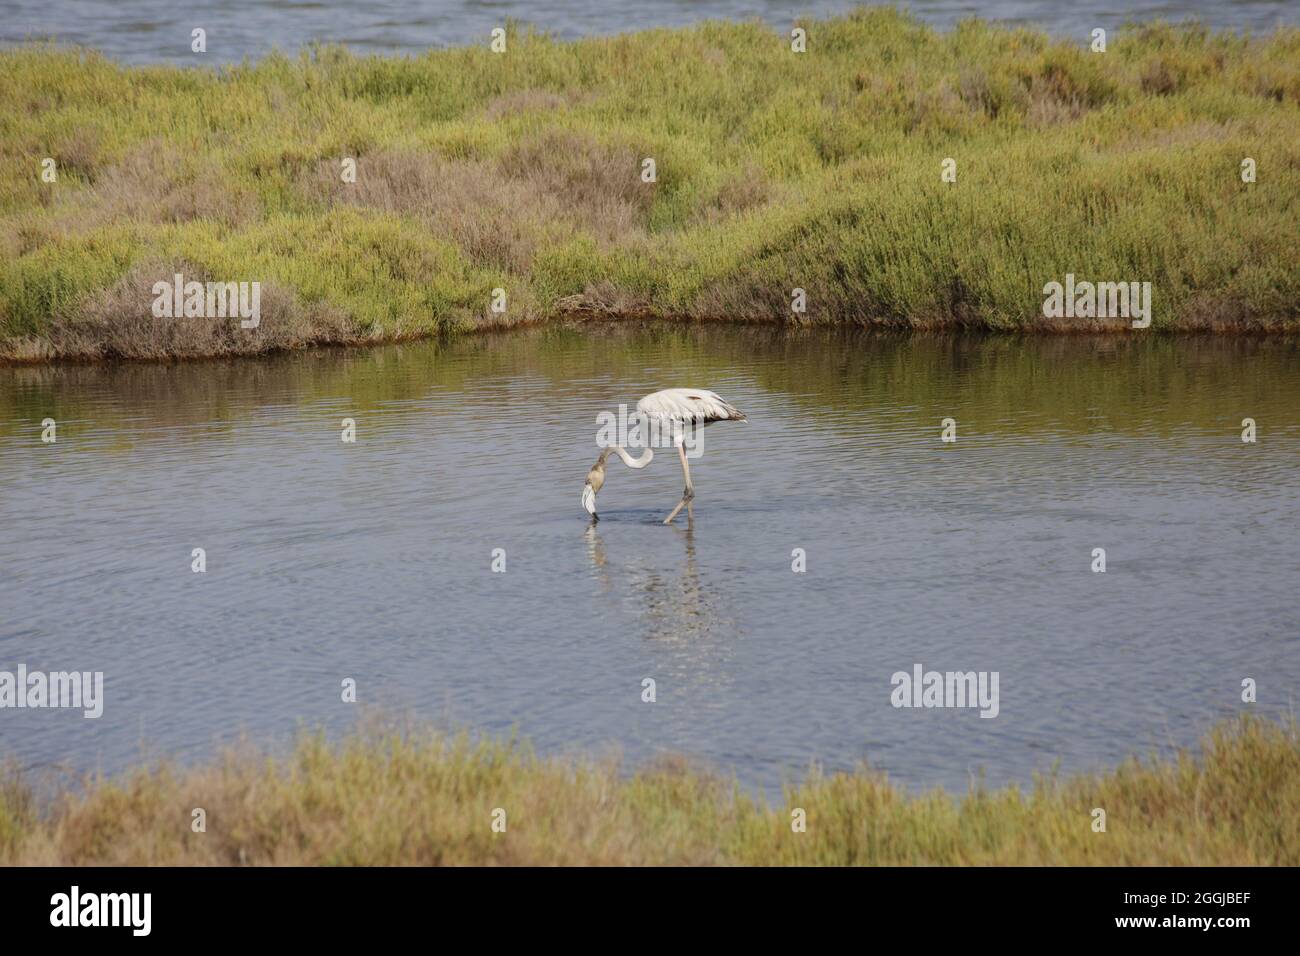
[{"x": 674, "y": 408}]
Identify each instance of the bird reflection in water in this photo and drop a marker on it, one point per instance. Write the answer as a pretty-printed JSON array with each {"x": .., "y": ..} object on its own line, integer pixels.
[{"x": 673, "y": 606}]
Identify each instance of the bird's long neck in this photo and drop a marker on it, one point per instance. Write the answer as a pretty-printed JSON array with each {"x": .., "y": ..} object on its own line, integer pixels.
[{"x": 628, "y": 459}]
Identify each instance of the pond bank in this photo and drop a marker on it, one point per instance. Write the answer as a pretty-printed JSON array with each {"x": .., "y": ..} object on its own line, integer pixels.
[
  {"x": 891, "y": 175},
  {"x": 416, "y": 798}
]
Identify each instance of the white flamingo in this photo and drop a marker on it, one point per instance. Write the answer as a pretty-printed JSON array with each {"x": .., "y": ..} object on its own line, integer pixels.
[{"x": 675, "y": 409}]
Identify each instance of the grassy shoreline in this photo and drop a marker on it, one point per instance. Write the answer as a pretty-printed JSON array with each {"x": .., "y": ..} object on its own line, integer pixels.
[
  {"x": 420, "y": 798},
  {"x": 774, "y": 171}
]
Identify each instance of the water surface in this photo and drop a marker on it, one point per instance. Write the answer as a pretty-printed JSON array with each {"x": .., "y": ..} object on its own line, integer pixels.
[
  {"x": 372, "y": 560},
  {"x": 158, "y": 31}
]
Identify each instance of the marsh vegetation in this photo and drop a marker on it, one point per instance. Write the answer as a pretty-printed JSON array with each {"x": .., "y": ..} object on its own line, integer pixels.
[
  {"x": 774, "y": 170},
  {"x": 421, "y": 798}
]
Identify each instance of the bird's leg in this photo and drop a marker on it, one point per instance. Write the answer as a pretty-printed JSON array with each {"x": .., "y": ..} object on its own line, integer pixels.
[{"x": 689, "y": 494}]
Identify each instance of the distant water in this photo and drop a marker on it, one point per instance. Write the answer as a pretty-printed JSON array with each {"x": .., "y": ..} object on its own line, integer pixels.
[
  {"x": 158, "y": 31},
  {"x": 373, "y": 560}
]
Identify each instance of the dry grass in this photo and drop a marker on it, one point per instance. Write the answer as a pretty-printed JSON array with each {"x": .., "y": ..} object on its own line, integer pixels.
[
  {"x": 544, "y": 190},
  {"x": 418, "y": 798},
  {"x": 119, "y": 323},
  {"x": 157, "y": 183},
  {"x": 494, "y": 219}
]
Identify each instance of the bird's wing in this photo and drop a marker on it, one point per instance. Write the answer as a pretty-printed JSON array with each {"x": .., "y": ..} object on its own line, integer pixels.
[{"x": 688, "y": 404}]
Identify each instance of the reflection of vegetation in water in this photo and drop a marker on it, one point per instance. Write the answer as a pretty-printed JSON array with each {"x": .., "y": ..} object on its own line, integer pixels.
[
  {"x": 384, "y": 799},
  {"x": 1077, "y": 383},
  {"x": 818, "y": 170}
]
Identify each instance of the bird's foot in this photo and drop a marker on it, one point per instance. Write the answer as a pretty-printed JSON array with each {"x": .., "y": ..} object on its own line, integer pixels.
[{"x": 687, "y": 497}]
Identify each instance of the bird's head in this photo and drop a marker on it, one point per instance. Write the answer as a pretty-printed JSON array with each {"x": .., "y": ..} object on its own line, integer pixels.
[{"x": 595, "y": 480}]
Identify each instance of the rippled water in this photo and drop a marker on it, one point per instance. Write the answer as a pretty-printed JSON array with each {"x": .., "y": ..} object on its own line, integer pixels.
[
  {"x": 372, "y": 560},
  {"x": 150, "y": 31}
]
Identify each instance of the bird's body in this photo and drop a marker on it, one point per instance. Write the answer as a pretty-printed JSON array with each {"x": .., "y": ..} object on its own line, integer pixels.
[
  {"x": 688, "y": 405},
  {"x": 675, "y": 409}
]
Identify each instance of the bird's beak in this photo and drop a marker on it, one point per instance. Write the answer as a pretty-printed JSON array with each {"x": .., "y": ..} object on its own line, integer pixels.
[{"x": 589, "y": 499}]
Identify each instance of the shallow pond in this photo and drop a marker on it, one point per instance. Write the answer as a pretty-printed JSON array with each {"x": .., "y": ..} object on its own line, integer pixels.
[{"x": 373, "y": 560}]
